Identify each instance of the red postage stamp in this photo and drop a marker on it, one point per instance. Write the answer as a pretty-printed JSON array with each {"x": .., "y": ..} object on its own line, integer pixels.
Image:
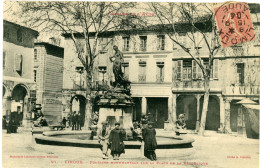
[{"x": 234, "y": 23}]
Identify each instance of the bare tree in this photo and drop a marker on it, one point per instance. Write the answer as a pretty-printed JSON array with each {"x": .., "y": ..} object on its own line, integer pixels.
[
  {"x": 87, "y": 19},
  {"x": 198, "y": 19}
]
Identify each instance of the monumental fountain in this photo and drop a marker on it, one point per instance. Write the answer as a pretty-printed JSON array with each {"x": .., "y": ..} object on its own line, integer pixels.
[{"x": 114, "y": 104}]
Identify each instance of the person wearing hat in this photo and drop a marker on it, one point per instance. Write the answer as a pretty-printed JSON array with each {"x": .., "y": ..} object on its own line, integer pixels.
[
  {"x": 150, "y": 143},
  {"x": 103, "y": 135},
  {"x": 116, "y": 139}
]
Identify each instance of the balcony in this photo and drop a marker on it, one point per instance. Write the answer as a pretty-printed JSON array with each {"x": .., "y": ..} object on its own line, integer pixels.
[{"x": 242, "y": 90}]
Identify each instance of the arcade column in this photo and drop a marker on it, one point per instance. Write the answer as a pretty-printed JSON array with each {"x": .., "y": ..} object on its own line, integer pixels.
[
  {"x": 144, "y": 105},
  {"x": 198, "y": 112},
  {"x": 222, "y": 114},
  {"x": 174, "y": 108},
  {"x": 227, "y": 116}
]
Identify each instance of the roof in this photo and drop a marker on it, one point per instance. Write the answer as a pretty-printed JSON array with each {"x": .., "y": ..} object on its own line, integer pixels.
[
  {"x": 23, "y": 27},
  {"x": 180, "y": 27},
  {"x": 51, "y": 49},
  {"x": 47, "y": 44},
  {"x": 246, "y": 101}
]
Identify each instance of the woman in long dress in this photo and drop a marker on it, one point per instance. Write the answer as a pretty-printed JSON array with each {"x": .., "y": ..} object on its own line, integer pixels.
[
  {"x": 150, "y": 143},
  {"x": 116, "y": 139}
]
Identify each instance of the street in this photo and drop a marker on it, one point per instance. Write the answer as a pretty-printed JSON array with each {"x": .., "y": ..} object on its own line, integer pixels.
[{"x": 213, "y": 151}]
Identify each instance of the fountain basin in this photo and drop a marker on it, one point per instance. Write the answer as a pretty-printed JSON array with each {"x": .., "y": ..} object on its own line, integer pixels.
[{"x": 83, "y": 139}]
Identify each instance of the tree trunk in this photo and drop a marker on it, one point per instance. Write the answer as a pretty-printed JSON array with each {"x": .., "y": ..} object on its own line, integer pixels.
[
  {"x": 89, "y": 105},
  {"x": 205, "y": 107}
]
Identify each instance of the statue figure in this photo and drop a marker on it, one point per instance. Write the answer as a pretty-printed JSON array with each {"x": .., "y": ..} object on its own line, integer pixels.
[{"x": 117, "y": 66}]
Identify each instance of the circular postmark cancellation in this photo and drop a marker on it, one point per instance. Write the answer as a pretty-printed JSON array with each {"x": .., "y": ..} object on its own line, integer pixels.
[{"x": 234, "y": 23}]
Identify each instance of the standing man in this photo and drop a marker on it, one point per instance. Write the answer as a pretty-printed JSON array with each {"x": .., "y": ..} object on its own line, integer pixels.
[
  {"x": 74, "y": 120},
  {"x": 64, "y": 121},
  {"x": 116, "y": 139},
  {"x": 103, "y": 135},
  {"x": 79, "y": 120},
  {"x": 150, "y": 143}
]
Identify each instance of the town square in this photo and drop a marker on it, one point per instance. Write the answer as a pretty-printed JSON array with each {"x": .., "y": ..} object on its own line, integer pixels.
[{"x": 130, "y": 84}]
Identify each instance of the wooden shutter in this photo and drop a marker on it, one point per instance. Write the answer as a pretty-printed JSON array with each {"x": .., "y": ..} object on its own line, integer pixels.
[
  {"x": 4, "y": 59},
  {"x": 215, "y": 68},
  {"x": 194, "y": 69},
  {"x": 179, "y": 69},
  {"x": 158, "y": 43},
  {"x": 199, "y": 71},
  {"x": 18, "y": 62}
]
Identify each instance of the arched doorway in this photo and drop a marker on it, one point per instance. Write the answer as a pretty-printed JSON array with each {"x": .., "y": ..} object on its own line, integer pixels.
[
  {"x": 78, "y": 104},
  {"x": 19, "y": 103},
  {"x": 187, "y": 105},
  {"x": 213, "y": 114}
]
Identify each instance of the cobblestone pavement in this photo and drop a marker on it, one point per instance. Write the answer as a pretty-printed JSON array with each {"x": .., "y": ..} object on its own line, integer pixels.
[{"x": 211, "y": 151}]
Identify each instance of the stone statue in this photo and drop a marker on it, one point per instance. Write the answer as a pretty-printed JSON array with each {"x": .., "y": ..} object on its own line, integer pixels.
[{"x": 117, "y": 60}]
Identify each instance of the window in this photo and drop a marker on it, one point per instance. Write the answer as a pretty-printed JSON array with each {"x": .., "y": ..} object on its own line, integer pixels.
[
  {"x": 240, "y": 71},
  {"x": 126, "y": 69},
  {"x": 4, "y": 58},
  {"x": 19, "y": 63},
  {"x": 161, "y": 42},
  {"x": 104, "y": 44},
  {"x": 126, "y": 41},
  {"x": 187, "y": 65},
  {"x": 101, "y": 73},
  {"x": 142, "y": 71},
  {"x": 182, "y": 39},
  {"x": 143, "y": 43},
  {"x": 35, "y": 75},
  {"x": 35, "y": 54},
  {"x": 19, "y": 36},
  {"x": 189, "y": 69},
  {"x": 160, "y": 72},
  {"x": 196, "y": 70}
]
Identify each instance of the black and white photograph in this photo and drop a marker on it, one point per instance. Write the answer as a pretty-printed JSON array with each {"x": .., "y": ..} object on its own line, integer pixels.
[{"x": 129, "y": 84}]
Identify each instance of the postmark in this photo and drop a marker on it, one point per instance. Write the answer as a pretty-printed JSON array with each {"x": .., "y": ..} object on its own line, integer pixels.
[{"x": 234, "y": 23}]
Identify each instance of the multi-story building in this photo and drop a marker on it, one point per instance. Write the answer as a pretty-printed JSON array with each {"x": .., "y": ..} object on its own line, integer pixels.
[
  {"x": 48, "y": 75},
  {"x": 18, "y": 84},
  {"x": 166, "y": 81},
  {"x": 233, "y": 78}
]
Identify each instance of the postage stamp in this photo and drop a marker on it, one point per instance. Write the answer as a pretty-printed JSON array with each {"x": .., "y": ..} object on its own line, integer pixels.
[{"x": 234, "y": 23}]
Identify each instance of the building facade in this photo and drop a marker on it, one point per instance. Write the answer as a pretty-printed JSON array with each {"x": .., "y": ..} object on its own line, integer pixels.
[
  {"x": 18, "y": 84},
  {"x": 48, "y": 75},
  {"x": 166, "y": 81}
]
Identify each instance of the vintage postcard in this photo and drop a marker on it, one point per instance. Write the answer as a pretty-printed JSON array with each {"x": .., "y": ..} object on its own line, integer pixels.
[{"x": 130, "y": 84}]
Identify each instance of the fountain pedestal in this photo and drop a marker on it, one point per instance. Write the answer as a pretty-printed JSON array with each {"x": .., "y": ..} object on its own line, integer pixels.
[{"x": 115, "y": 106}]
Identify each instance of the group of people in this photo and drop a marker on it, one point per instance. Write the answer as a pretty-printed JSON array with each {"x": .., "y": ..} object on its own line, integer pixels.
[
  {"x": 76, "y": 120},
  {"x": 11, "y": 126},
  {"x": 39, "y": 119},
  {"x": 114, "y": 140}
]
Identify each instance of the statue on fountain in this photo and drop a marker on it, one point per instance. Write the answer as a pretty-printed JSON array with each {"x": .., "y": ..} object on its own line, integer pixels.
[{"x": 117, "y": 60}]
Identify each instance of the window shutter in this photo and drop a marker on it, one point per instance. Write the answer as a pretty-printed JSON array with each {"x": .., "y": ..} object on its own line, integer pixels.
[
  {"x": 194, "y": 69},
  {"x": 18, "y": 62},
  {"x": 158, "y": 43},
  {"x": 199, "y": 71},
  {"x": 215, "y": 68},
  {"x": 179, "y": 69},
  {"x": 4, "y": 59}
]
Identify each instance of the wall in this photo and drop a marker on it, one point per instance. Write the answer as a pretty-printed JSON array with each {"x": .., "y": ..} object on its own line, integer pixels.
[{"x": 27, "y": 65}]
